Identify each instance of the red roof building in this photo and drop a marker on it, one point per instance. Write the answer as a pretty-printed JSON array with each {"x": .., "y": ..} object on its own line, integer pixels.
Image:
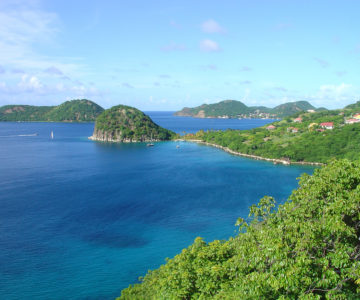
[
  {"x": 298, "y": 120},
  {"x": 327, "y": 125},
  {"x": 352, "y": 121},
  {"x": 270, "y": 127}
]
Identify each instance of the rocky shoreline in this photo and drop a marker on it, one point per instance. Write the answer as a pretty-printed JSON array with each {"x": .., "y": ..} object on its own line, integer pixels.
[{"x": 274, "y": 160}]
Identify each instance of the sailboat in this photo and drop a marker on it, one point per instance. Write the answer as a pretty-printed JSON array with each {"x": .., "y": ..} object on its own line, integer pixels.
[
  {"x": 150, "y": 144},
  {"x": 52, "y": 135}
]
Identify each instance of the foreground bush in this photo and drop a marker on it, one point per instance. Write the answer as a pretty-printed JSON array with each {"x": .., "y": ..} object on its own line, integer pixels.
[{"x": 308, "y": 248}]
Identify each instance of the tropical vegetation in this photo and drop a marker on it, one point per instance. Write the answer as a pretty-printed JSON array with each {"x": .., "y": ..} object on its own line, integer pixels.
[
  {"x": 300, "y": 138},
  {"x": 237, "y": 109},
  {"x": 126, "y": 123},
  {"x": 70, "y": 111},
  {"x": 307, "y": 248}
]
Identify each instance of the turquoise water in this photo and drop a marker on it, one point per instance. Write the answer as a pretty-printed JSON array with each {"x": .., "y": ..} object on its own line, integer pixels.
[{"x": 83, "y": 220}]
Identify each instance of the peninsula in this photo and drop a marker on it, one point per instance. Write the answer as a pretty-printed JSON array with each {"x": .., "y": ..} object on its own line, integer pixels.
[
  {"x": 82, "y": 110},
  {"x": 236, "y": 109},
  {"x": 305, "y": 137},
  {"x": 127, "y": 124}
]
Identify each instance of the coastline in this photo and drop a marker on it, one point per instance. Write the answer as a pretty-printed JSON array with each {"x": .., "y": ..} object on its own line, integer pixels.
[{"x": 256, "y": 157}]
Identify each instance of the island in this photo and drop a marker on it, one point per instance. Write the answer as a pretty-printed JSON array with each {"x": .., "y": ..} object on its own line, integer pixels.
[
  {"x": 303, "y": 138},
  {"x": 79, "y": 110},
  {"x": 127, "y": 124},
  {"x": 236, "y": 109}
]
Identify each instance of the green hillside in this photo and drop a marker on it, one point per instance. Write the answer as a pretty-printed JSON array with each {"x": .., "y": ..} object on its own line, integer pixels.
[
  {"x": 237, "y": 109},
  {"x": 123, "y": 123},
  {"x": 305, "y": 141},
  {"x": 75, "y": 111},
  {"x": 291, "y": 108},
  {"x": 69, "y": 111},
  {"x": 308, "y": 249}
]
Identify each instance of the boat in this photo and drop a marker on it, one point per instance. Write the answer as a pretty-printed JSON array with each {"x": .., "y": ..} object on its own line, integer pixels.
[
  {"x": 52, "y": 134},
  {"x": 177, "y": 146},
  {"x": 150, "y": 145}
]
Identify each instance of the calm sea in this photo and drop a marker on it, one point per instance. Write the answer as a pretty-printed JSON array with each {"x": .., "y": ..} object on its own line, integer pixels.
[{"x": 83, "y": 220}]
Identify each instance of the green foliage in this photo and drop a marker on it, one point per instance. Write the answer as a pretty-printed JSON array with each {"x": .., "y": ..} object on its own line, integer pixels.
[
  {"x": 309, "y": 144},
  {"x": 69, "y": 111},
  {"x": 308, "y": 249},
  {"x": 233, "y": 109},
  {"x": 128, "y": 123}
]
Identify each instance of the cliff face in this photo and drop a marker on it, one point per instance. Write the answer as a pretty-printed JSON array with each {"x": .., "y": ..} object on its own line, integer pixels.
[
  {"x": 127, "y": 124},
  {"x": 118, "y": 137}
]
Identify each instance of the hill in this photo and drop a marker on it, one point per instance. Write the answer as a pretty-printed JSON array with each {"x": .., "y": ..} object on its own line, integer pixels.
[
  {"x": 70, "y": 111},
  {"x": 303, "y": 137},
  {"x": 127, "y": 124},
  {"x": 308, "y": 249},
  {"x": 237, "y": 109},
  {"x": 291, "y": 108}
]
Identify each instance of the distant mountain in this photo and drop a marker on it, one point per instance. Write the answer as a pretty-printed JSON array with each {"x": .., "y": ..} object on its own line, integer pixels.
[
  {"x": 127, "y": 124},
  {"x": 290, "y": 108},
  {"x": 237, "y": 109},
  {"x": 70, "y": 111}
]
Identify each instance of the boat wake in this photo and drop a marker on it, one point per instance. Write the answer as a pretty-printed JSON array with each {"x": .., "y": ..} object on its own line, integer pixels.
[{"x": 16, "y": 135}]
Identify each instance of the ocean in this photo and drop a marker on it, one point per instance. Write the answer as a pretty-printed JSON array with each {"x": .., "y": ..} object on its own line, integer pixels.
[{"x": 83, "y": 220}]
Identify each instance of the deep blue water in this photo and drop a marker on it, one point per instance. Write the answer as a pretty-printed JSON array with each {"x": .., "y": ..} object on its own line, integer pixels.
[{"x": 83, "y": 220}]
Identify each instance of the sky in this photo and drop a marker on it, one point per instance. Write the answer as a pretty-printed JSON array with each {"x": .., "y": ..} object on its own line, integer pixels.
[{"x": 165, "y": 55}]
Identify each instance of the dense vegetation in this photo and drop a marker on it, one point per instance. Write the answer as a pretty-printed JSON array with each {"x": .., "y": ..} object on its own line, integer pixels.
[
  {"x": 70, "y": 111},
  {"x": 125, "y": 123},
  {"x": 235, "y": 109},
  {"x": 305, "y": 141},
  {"x": 308, "y": 249}
]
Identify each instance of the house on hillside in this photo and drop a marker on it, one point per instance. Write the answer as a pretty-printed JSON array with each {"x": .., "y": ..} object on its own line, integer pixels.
[
  {"x": 297, "y": 120},
  {"x": 310, "y": 110},
  {"x": 356, "y": 116},
  {"x": 271, "y": 127},
  {"x": 327, "y": 125},
  {"x": 352, "y": 121},
  {"x": 292, "y": 129}
]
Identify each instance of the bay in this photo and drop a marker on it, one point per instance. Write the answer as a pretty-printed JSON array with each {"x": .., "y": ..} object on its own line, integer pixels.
[{"x": 83, "y": 220}]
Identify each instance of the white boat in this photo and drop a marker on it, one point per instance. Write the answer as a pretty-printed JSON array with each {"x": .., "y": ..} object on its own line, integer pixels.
[{"x": 52, "y": 134}]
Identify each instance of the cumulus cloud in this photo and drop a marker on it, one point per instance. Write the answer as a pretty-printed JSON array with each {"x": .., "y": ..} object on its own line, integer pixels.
[
  {"x": 173, "y": 47},
  {"x": 334, "y": 96},
  {"x": 211, "y": 26},
  {"x": 209, "y": 46},
  {"x": 30, "y": 84}
]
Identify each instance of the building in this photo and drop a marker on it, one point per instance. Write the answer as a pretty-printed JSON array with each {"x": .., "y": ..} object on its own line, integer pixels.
[
  {"x": 327, "y": 125},
  {"x": 271, "y": 127},
  {"x": 352, "y": 121},
  {"x": 298, "y": 120},
  {"x": 356, "y": 116}
]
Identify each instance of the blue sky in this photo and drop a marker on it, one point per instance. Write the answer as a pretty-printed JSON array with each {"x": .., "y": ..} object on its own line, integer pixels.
[{"x": 164, "y": 55}]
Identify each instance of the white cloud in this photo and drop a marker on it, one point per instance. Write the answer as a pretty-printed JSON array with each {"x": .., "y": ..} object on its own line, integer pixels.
[
  {"x": 209, "y": 46},
  {"x": 30, "y": 84},
  {"x": 334, "y": 96},
  {"x": 53, "y": 71},
  {"x": 211, "y": 26}
]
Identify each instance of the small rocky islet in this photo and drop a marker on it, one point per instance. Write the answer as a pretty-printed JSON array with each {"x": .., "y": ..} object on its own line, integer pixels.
[{"x": 127, "y": 124}]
